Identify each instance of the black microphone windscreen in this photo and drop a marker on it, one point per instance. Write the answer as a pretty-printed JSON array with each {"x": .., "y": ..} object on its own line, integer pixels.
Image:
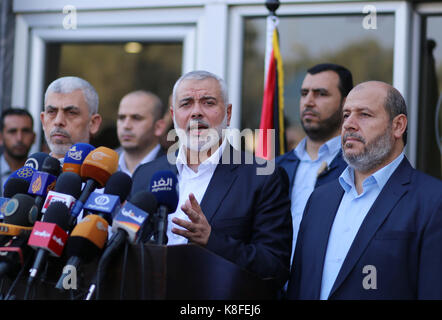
[
  {"x": 14, "y": 186},
  {"x": 21, "y": 210},
  {"x": 145, "y": 201},
  {"x": 58, "y": 213},
  {"x": 69, "y": 183},
  {"x": 36, "y": 160},
  {"x": 82, "y": 247},
  {"x": 119, "y": 184},
  {"x": 51, "y": 166}
]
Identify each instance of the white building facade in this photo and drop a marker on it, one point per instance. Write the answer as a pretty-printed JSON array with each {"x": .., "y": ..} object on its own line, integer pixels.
[{"x": 226, "y": 37}]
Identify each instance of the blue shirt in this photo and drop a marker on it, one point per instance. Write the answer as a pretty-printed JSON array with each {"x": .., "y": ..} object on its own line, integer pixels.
[
  {"x": 5, "y": 172},
  {"x": 351, "y": 212},
  {"x": 305, "y": 179}
]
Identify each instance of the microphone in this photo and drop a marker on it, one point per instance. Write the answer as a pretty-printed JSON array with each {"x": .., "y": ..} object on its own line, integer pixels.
[
  {"x": 13, "y": 186},
  {"x": 35, "y": 160},
  {"x": 84, "y": 244},
  {"x": 96, "y": 169},
  {"x": 24, "y": 174},
  {"x": 119, "y": 184},
  {"x": 48, "y": 237},
  {"x": 67, "y": 190},
  {"x": 129, "y": 220},
  {"x": 75, "y": 156},
  {"x": 99, "y": 209},
  {"x": 164, "y": 186},
  {"x": 126, "y": 226},
  {"x": 20, "y": 214},
  {"x": 115, "y": 193},
  {"x": 43, "y": 181}
]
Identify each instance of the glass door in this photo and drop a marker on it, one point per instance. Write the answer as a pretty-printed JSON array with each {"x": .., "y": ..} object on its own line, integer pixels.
[
  {"x": 115, "y": 69},
  {"x": 429, "y": 138}
]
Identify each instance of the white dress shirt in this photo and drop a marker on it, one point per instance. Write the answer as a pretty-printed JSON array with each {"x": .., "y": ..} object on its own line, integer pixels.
[
  {"x": 191, "y": 182},
  {"x": 149, "y": 157}
]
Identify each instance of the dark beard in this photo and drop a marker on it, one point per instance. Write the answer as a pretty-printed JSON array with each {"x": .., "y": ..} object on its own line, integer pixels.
[
  {"x": 325, "y": 129},
  {"x": 14, "y": 155}
]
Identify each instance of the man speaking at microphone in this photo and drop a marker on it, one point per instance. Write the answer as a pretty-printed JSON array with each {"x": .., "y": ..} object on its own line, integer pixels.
[
  {"x": 224, "y": 204},
  {"x": 70, "y": 114}
]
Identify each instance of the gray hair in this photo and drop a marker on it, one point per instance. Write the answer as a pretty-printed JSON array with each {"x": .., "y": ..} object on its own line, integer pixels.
[
  {"x": 71, "y": 84},
  {"x": 395, "y": 105},
  {"x": 201, "y": 75}
]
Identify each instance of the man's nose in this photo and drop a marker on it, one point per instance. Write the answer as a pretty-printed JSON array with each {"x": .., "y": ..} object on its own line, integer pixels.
[
  {"x": 60, "y": 119},
  {"x": 197, "y": 111},
  {"x": 350, "y": 123},
  {"x": 309, "y": 99},
  {"x": 127, "y": 123}
]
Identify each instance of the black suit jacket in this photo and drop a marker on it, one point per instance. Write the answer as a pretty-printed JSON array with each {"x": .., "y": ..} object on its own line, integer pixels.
[
  {"x": 249, "y": 214},
  {"x": 399, "y": 243}
]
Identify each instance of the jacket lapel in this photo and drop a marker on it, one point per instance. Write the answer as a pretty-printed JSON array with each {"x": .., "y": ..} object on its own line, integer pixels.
[
  {"x": 219, "y": 185},
  {"x": 392, "y": 192},
  {"x": 324, "y": 224},
  {"x": 291, "y": 167}
]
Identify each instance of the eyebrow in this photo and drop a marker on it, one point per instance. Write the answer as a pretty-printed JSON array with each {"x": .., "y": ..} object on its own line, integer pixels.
[
  {"x": 130, "y": 115},
  {"x": 201, "y": 98},
  {"x": 357, "y": 109},
  {"x": 315, "y": 90},
  {"x": 67, "y": 108}
]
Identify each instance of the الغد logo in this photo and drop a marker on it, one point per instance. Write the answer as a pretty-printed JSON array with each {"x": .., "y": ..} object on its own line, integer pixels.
[
  {"x": 102, "y": 200},
  {"x": 36, "y": 185},
  {"x": 162, "y": 185}
]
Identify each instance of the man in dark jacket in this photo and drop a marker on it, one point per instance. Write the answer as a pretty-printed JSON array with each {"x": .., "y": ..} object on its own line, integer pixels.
[{"x": 318, "y": 157}]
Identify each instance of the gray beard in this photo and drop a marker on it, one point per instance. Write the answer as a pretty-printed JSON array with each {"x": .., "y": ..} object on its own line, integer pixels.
[
  {"x": 58, "y": 148},
  {"x": 374, "y": 153},
  {"x": 199, "y": 144}
]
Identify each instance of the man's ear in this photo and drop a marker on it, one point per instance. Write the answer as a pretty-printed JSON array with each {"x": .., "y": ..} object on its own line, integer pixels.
[
  {"x": 160, "y": 127},
  {"x": 95, "y": 123},
  {"x": 399, "y": 125},
  {"x": 229, "y": 113}
]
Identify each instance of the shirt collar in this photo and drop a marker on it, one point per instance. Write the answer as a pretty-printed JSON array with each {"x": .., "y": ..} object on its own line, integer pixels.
[
  {"x": 149, "y": 157},
  {"x": 213, "y": 160},
  {"x": 380, "y": 177},
  {"x": 5, "y": 169},
  {"x": 332, "y": 146}
]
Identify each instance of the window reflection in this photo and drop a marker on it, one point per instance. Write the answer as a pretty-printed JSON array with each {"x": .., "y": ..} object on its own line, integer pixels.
[
  {"x": 429, "y": 155},
  {"x": 115, "y": 69},
  {"x": 306, "y": 41}
]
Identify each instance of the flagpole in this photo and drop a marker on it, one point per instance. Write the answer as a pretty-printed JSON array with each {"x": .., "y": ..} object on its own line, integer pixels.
[
  {"x": 272, "y": 21},
  {"x": 272, "y": 6},
  {"x": 271, "y": 137}
]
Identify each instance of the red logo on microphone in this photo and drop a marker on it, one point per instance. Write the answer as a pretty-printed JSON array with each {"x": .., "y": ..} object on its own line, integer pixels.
[{"x": 48, "y": 236}]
